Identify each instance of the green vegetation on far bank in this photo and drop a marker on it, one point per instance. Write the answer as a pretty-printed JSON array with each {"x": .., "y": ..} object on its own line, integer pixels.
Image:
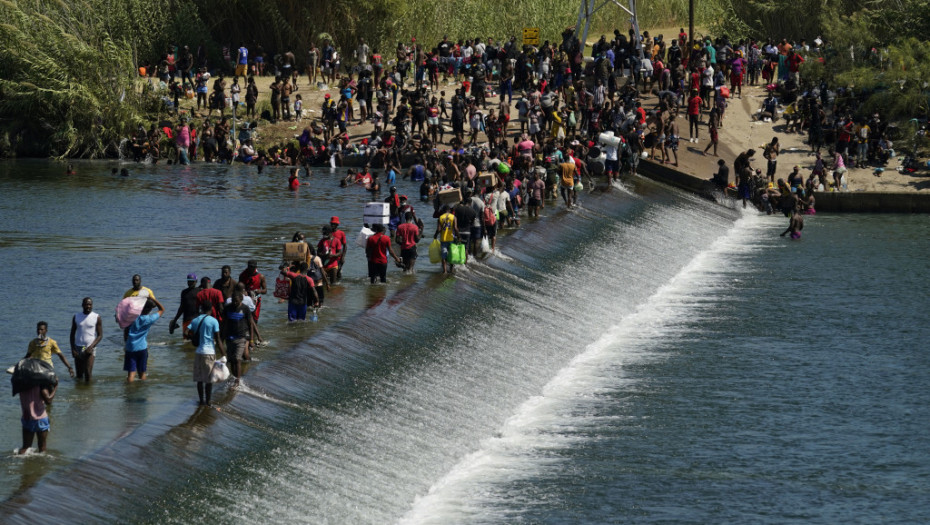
[{"x": 68, "y": 74}]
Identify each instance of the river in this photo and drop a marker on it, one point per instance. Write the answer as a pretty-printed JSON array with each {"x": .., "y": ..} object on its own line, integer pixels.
[{"x": 650, "y": 357}]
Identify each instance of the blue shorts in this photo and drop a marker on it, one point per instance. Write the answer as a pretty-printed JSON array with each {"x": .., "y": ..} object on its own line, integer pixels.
[
  {"x": 444, "y": 247},
  {"x": 296, "y": 312},
  {"x": 35, "y": 425},
  {"x": 136, "y": 361},
  {"x": 744, "y": 191}
]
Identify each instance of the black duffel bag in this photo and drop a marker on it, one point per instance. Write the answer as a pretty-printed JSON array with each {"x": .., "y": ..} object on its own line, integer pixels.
[{"x": 30, "y": 373}]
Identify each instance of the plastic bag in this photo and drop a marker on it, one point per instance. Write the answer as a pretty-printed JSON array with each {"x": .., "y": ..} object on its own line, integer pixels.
[
  {"x": 362, "y": 239},
  {"x": 435, "y": 252},
  {"x": 220, "y": 371},
  {"x": 30, "y": 373},
  {"x": 485, "y": 245},
  {"x": 129, "y": 309},
  {"x": 457, "y": 253}
]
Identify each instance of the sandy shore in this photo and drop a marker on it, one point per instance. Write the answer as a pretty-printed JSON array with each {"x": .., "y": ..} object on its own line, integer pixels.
[{"x": 738, "y": 133}]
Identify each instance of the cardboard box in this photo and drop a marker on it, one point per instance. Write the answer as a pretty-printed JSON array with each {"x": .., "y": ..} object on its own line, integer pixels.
[
  {"x": 451, "y": 196},
  {"x": 371, "y": 220},
  {"x": 487, "y": 179},
  {"x": 296, "y": 251},
  {"x": 378, "y": 208}
]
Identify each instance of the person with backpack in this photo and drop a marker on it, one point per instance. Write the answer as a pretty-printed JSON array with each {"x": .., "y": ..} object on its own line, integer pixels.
[
  {"x": 301, "y": 294},
  {"x": 315, "y": 272},
  {"x": 205, "y": 335}
]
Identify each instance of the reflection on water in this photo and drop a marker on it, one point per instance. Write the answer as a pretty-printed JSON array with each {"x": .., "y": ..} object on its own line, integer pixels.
[
  {"x": 500, "y": 396},
  {"x": 66, "y": 237}
]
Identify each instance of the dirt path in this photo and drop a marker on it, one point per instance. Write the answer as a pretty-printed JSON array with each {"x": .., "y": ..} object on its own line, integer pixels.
[{"x": 738, "y": 133}]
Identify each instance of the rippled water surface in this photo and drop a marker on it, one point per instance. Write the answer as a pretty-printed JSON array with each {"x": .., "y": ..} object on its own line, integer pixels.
[{"x": 649, "y": 358}]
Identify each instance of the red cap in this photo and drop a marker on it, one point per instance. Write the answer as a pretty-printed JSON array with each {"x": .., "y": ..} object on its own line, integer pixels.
[
  {"x": 326, "y": 95},
  {"x": 334, "y": 220}
]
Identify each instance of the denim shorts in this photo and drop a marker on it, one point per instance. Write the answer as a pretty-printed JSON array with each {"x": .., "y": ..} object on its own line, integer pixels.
[
  {"x": 35, "y": 425},
  {"x": 136, "y": 361}
]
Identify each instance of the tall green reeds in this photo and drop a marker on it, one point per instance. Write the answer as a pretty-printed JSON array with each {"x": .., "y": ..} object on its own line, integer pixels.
[{"x": 66, "y": 83}]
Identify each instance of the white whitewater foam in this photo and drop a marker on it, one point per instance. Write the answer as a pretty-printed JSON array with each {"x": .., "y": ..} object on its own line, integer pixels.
[{"x": 510, "y": 455}]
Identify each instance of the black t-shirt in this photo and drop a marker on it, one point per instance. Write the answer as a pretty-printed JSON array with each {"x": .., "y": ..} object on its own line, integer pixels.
[
  {"x": 189, "y": 303},
  {"x": 300, "y": 290},
  {"x": 364, "y": 89},
  {"x": 237, "y": 320},
  {"x": 444, "y": 49},
  {"x": 458, "y": 108},
  {"x": 465, "y": 216}
]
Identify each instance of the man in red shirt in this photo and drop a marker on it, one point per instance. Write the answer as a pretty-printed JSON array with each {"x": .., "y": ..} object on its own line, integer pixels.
[
  {"x": 794, "y": 65},
  {"x": 641, "y": 112},
  {"x": 255, "y": 285},
  {"x": 213, "y": 295},
  {"x": 694, "y": 116},
  {"x": 408, "y": 234},
  {"x": 377, "y": 248},
  {"x": 340, "y": 236},
  {"x": 329, "y": 249}
]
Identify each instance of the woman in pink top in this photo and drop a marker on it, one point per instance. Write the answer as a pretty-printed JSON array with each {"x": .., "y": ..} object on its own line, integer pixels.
[
  {"x": 183, "y": 142},
  {"x": 839, "y": 169}
]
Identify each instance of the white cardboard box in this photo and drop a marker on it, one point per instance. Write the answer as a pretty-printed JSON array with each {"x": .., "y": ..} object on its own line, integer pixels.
[
  {"x": 378, "y": 208},
  {"x": 371, "y": 220}
]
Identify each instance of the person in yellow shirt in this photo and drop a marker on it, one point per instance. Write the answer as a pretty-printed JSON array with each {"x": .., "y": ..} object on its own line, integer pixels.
[
  {"x": 137, "y": 289},
  {"x": 447, "y": 230},
  {"x": 42, "y": 347},
  {"x": 558, "y": 119},
  {"x": 567, "y": 183}
]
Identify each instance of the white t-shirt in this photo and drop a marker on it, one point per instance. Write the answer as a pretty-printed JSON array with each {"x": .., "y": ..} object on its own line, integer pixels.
[
  {"x": 707, "y": 78},
  {"x": 611, "y": 152},
  {"x": 363, "y": 54},
  {"x": 86, "y": 328},
  {"x": 246, "y": 300},
  {"x": 500, "y": 199}
]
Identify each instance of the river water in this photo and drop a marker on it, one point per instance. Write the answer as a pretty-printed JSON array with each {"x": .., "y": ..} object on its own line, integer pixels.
[{"x": 651, "y": 357}]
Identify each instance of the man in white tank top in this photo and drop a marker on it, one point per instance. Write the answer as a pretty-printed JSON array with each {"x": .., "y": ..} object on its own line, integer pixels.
[{"x": 86, "y": 333}]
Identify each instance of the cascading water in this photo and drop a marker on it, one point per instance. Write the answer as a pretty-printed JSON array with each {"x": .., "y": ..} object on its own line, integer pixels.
[
  {"x": 649, "y": 356},
  {"x": 371, "y": 413}
]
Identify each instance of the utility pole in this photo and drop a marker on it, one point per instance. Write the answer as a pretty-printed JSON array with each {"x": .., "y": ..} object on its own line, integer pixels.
[
  {"x": 690, "y": 27},
  {"x": 589, "y": 7}
]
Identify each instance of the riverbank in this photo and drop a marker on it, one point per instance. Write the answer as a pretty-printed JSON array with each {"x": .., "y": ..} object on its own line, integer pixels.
[
  {"x": 893, "y": 191},
  {"x": 738, "y": 133}
]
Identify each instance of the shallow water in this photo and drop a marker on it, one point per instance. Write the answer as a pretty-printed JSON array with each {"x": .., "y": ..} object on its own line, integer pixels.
[{"x": 650, "y": 357}]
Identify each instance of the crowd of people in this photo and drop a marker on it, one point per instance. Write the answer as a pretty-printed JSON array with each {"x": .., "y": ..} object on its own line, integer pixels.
[
  {"x": 636, "y": 87},
  {"x": 216, "y": 317},
  {"x": 574, "y": 121}
]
